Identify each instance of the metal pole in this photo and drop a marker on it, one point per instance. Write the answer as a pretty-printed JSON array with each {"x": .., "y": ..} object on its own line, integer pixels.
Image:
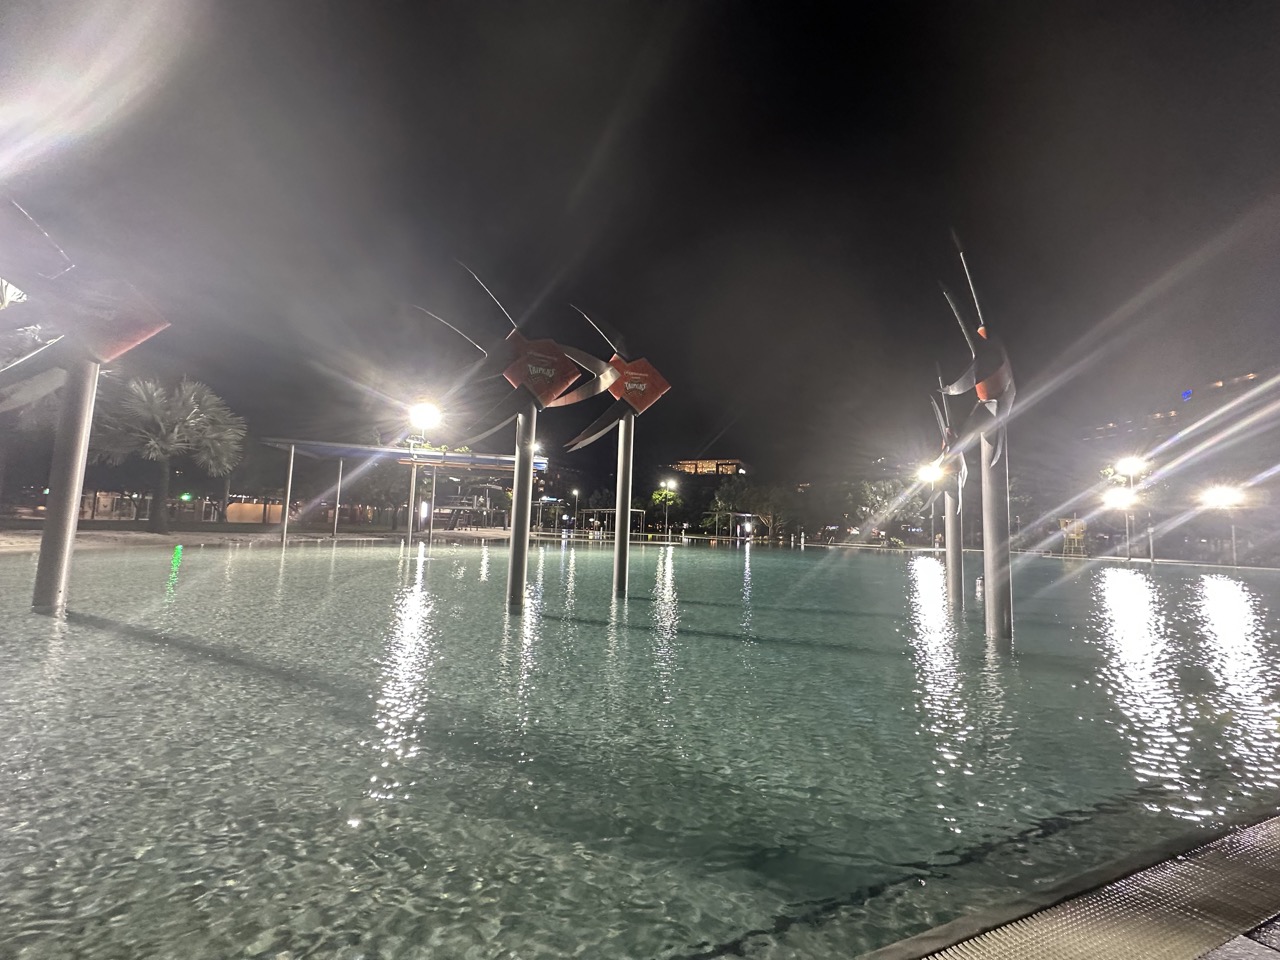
[
  {"x": 955, "y": 547},
  {"x": 66, "y": 477},
  {"x": 1233, "y": 543},
  {"x": 431, "y": 515},
  {"x": 337, "y": 500},
  {"x": 1128, "y": 544},
  {"x": 933, "y": 517},
  {"x": 288, "y": 496},
  {"x": 413, "y": 496},
  {"x": 1151, "y": 541},
  {"x": 622, "y": 503},
  {"x": 521, "y": 508},
  {"x": 997, "y": 587}
]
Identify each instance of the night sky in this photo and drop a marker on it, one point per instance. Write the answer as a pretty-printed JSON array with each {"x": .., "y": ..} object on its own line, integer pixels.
[{"x": 760, "y": 197}]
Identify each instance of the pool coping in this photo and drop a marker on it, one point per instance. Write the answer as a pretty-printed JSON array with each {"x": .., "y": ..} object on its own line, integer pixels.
[{"x": 969, "y": 926}]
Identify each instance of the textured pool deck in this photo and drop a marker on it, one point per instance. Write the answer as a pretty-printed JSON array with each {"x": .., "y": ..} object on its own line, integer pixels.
[{"x": 1219, "y": 901}]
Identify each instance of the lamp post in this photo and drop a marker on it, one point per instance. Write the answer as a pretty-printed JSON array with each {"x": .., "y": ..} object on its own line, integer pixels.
[
  {"x": 575, "y": 513},
  {"x": 669, "y": 488},
  {"x": 1130, "y": 467},
  {"x": 1122, "y": 498},
  {"x": 422, "y": 417},
  {"x": 1225, "y": 498},
  {"x": 931, "y": 473}
]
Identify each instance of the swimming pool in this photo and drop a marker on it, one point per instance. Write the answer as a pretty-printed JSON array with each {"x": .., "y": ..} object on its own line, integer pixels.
[{"x": 354, "y": 752}]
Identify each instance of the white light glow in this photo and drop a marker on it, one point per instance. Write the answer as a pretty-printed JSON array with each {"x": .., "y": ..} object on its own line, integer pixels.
[
  {"x": 1222, "y": 498},
  {"x": 1119, "y": 498},
  {"x": 425, "y": 416},
  {"x": 930, "y": 473},
  {"x": 1131, "y": 466}
]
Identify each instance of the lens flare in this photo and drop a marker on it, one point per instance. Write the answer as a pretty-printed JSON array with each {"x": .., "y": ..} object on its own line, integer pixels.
[{"x": 73, "y": 69}]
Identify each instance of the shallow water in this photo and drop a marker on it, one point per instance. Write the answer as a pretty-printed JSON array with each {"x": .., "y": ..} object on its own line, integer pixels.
[{"x": 354, "y": 752}]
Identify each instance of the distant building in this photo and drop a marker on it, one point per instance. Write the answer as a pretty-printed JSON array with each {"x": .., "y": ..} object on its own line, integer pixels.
[
  {"x": 1200, "y": 406},
  {"x": 717, "y": 466}
]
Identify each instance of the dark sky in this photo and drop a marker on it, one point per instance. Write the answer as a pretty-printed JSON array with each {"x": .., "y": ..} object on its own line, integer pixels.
[{"x": 758, "y": 195}]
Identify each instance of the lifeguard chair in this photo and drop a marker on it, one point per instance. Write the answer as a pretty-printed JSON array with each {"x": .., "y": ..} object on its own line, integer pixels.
[{"x": 1073, "y": 533}]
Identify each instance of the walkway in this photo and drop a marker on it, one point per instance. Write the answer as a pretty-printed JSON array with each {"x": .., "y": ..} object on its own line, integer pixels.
[{"x": 1220, "y": 901}]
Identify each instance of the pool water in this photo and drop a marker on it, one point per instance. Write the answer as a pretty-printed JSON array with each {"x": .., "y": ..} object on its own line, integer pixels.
[{"x": 354, "y": 752}]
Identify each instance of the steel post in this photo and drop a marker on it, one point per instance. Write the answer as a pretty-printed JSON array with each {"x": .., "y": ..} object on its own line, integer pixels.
[
  {"x": 955, "y": 547},
  {"x": 66, "y": 478},
  {"x": 622, "y": 505},
  {"x": 337, "y": 500},
  {"x": 521, "y": 508},
  {"x": 431, "y": 513},
  {"x": 413, "y": 498},
  {"x": 288, "y": 496},
  {"x": 997, "y": 587}
]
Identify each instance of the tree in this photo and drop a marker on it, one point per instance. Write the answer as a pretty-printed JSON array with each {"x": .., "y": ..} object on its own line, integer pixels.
[
  {"x": 770, "y": 504},
  {"x": 142, "y": 418},
  {"x": 665, "y": 500},
  {"x": 885, "y": 500}
]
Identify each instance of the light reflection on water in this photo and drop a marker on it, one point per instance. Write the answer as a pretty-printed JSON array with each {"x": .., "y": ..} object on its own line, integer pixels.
[
  {"x": 1232, "y": 629},
  {"x": 1141, "y": 674},
  {"x": 405, "y": 697}
]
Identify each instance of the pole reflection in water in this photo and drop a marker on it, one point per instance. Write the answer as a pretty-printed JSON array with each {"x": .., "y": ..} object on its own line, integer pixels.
[
  {"x": 569, "y": 574},
  {"x": 172, "y": 585},
  {"x": 1141, "y": 677},
  {"x": 746, "y": 589},
  {"x": 666, "y": 624},
  {"x": 615, "y": 654},
  {"x": 1233, "y": 630},
  {"x": 406, "y": 668},
  {"x": 934, "y": 640},
  {"x": 484, "y": 562}
]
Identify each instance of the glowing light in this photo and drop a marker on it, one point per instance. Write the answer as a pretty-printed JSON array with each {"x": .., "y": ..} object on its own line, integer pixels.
[
  {"x": 1119, "y": 498},
  {"x": 1131, "y": 466},
  {"x": 1222, "y": 498},
  {"x": 930, "y": 473},
  {"x": 425, "y": 416},
  {"x": 185, "y": 498},
  {"x": 1187, "y": 394}
]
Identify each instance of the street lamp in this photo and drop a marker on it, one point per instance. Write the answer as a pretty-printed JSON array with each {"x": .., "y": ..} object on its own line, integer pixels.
[
  {"x": 670, "y": 487},
  {"x": 1130, "y": 467},
  {"x": 422, "y": 417},
  {"x": 931, "y": 473},
  {"x": 575, "y": 512},
  {"x": 1224, "y": 498},
  {"x": 1122, "y": 498}
]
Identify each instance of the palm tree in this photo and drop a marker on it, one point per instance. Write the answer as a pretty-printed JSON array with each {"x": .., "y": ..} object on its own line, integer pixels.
[{"x": 143, "y": 418}]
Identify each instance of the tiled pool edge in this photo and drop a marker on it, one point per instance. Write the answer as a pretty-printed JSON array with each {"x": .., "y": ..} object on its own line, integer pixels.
[{"x": 967, "y": 928}]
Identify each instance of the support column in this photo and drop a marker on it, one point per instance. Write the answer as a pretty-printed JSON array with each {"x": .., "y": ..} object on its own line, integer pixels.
[
  {"x": 337, "y": 500},
  {"x": 431, "y": 513},
  {"x": 622, "y": 504},
  {"x": 66, "y": 478},
  {"x": 955, "y": 548},
  {"x": 413, "y": 497},
  {"x": 521, "y": 508},
  {"x": 997, "y": 587},
  {"x": 288, "y": 496}
]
